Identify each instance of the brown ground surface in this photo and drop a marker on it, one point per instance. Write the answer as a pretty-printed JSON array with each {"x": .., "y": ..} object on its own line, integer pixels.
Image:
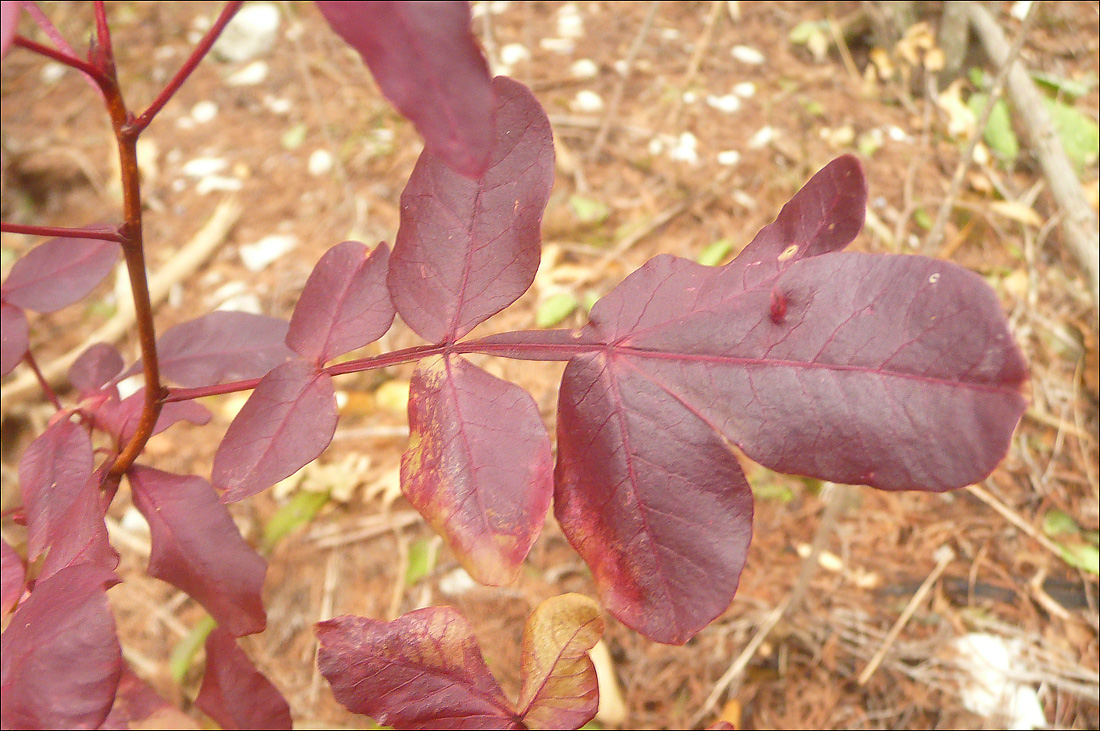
[{"x": 57, "y": 170}]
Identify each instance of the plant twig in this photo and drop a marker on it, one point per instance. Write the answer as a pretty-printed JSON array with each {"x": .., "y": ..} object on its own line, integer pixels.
[
  {"x": 1007, "y": 513},
  {"x": 935, "y": 236},
  {"x": 1082, "y": 232},
  {"x": 835, "y": 502},
  {"x": 185, "y": 263},
  {"x": 942, "y": 562},
  {"x": 617, "y": 96}
]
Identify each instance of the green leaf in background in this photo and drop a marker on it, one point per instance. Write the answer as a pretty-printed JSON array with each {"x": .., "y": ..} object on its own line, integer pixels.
[
  {"x": 1058, "y": 523},
  {"x": 294, "y": 137},
  {"x": 555, "y": 308},
  {"x": 422, "y": 556},
  {"x": 772, "y": 491},
  {"x": 1080, "y": 135},
  {"x": 923, "y": 219},
  {"x": 590, "y": 212},
  {"x": 1069, "y": 87},
  {"x": 183, "y": 654},
  {"x": 998, "y": 131},
  {"x": 715, "y": 253},
  {"x": 298, "y": 511},
  {"x": 591, "y": 297},
  {"x": 1083, "y": 556}
]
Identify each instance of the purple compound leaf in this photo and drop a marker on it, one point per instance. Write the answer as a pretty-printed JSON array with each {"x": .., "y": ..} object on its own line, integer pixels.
[
  {"x": 221, "y": 347},
  {"x": 466, "y": 249},
  {"x": 13, "y": 577},
  {"x": 198, "y": 549},
  {"x": 54, "y": 469},
  {"x": 61, "y": 662},
  {"x": 426, "y": 61},
  {"x": 234, "y": 693},
  {"x": 478, "y": 465},
  {"x": 286, "y": 424},
  {"x": 423, "y": 670},
  {"x": 59, "y": 272},
  {"x": 344, "y": 305},
  {"x": 14, "y": 337},
  {"x": 96, "y": 367}
]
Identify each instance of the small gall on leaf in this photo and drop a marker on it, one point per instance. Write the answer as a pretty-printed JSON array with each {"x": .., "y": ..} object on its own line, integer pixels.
[{"x": 777, "y": 307}]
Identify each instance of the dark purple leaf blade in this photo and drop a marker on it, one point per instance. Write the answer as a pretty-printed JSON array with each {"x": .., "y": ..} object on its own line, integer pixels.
[
  {"x": 466, "y": 249},
  {"x": 234, "y": 693},
  {"x": 478, "y": 465},
  {"x": 13, "y": 577},
  {"x": 890, "y": 371},
  {"x": 80, "y": 535},
  {"x": 824, "y": 216},
  {"x": 14, "y": 337},
  {"x": 421, "y": 671},
  {"x": 55, "y": 467},
  {"x": 121, "y": 418},
  {"x": 222, "y": 347},
  {"x": 651, "y": 497},
  {"x": 59, "y": 272},
  {"x": 137, "y": 705},
  {"x": 285, "y": 424},
  {"x": 61, "y": 662},
  {"x": 427, "y": 63},
  {"x": 197, "y": 548},
  {"x": 344, "y": 305},
  {"x": 95, "y": 367}
]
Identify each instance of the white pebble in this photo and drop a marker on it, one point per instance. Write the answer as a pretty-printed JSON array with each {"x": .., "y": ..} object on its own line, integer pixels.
[
  {"x": 219, "y": 184},
  {"x": 729, "y": 157},
  {"x": 242, "y": 303},
  {"x": 557, "y": 45},
  {"x": 51, "y": 73},
  {"x": 570, "y": 22},
  {"x": 762, "y": 138},
  {"x": 252, "y": 74},
  {"x": 251, "y": 33},
  {"x": 584, "y": 68},
  {"x": 727, "y": 103},
  {"x": 514, "y": 53},
  {"x": 685, "y": 149},
  {"x": 256, "y": 257},
  {"x": 747, "y": 54},
  {"x": 745, "y": 90},
  {"x": 689, "y": 97},
  {"x": 278, "y": 105},
  {"x": 587, "y": 101},
  {"x": 456, "y": 582},
  {"x": 201, "y": 167},
  {"x": 897, "y": 134},
  {"x": 204, "y": 112},
  {"x": 320, "y": 162}
]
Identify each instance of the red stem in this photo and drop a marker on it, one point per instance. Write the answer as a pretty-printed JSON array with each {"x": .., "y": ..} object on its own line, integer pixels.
[
  {"x": 59, "y": 56},
  {"x": 58, "y": 231},
  {"x": 189, "y": 65},
  {"x": 46, "y": 387},
  {"x": 549, "y": 348}
]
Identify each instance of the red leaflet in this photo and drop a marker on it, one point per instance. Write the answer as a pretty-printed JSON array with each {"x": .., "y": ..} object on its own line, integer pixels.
[
  {"x": 61, "y": 662},
  {"x": 285, "y": 424},
  {"x": 221, "y": 347},
  {"x": 121, "y": 418},
  {"x": 12, "y": 577},
  {"x": 58, "y": 272},
  {"x": 651, "y": 498},
  {"x": 95, "y": 367},
  {"x": 80, "y": 535},
  {"x": 466, "y": 249},
  {"x": 234, "y": 693},
  {"x": 9, "y": 22},
  {"x": 421, "y": 671},
  {"x": 559, "y": 680},
  {"x": 53, "y": 470},
  {"x": 137, "y": 702},
  {"x": 344, "y": 305},
  {"x": 14, "y": 337},
  {"x": 197, "y": 548},
  {"x": 426, "y": 61},
  {"x": 478, "y": 466}
]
